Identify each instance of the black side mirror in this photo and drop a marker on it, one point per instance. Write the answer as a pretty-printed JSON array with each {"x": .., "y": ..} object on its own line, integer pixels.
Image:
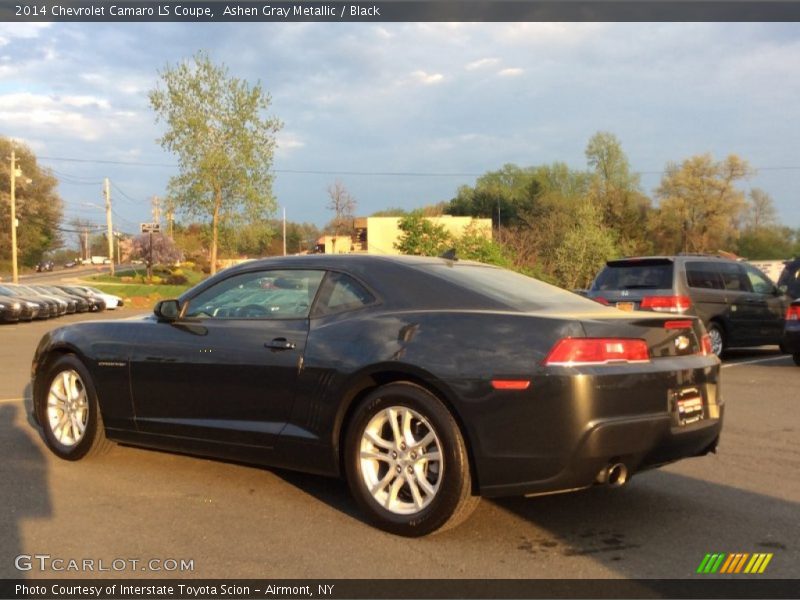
[{"x": 167, "y": 310}]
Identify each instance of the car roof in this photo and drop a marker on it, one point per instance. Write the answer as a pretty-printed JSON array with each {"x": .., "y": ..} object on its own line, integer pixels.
[{"x": 400, "y": 282}]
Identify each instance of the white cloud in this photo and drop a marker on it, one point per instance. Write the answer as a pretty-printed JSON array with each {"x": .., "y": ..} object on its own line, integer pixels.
[
  {"x": 427, "y": 78},
  {"x": 80, "y": 116},
  {"x": 510, "y": 72},
  {"x": 9, "y": 31},
  {"x": 288, "y": 141},
  {"x": 481, "y": 63}
]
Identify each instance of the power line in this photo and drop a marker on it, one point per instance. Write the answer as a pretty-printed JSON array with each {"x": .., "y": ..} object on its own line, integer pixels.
[{"x": 352, "y": 173}]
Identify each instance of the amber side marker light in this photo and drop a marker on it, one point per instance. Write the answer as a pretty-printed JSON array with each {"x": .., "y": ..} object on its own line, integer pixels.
[{"x": 510, "y": 384}]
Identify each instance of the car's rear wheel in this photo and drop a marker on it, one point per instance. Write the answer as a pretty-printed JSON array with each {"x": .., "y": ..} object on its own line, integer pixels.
[
  {"x": 796, "y": 358},
  {"x": 69, "y": 412},
  {"x": 406, "y": 462},
  {"x": 717, "y": 336}
]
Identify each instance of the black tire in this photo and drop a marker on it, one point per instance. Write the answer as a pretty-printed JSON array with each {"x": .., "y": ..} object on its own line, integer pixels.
[
  {"x": 796, "y": 358},
  {"x": 715, "y": 329},
  {"x": 92, "y": 441},
  {"x": 451, "y": 502}
]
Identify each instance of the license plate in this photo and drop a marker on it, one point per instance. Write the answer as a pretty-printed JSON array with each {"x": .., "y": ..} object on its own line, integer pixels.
[
  {"x": 625, "y": 306},
  {"x": 689, "y": 408}
]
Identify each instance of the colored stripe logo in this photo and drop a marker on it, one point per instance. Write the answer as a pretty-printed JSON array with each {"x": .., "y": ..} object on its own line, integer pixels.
[{"x": 736, "y": 563}]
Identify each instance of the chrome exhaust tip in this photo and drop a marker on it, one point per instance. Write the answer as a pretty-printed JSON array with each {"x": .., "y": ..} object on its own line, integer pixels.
[
  {"x": 617, "y": 475},
  {"x": 613, "y": 475}
]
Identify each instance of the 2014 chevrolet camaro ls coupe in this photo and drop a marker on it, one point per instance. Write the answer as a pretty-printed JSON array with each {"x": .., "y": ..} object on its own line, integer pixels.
[{"x": 426, "y": 382}]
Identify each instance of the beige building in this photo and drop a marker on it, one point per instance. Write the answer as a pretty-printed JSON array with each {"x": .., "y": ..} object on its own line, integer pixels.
[
  {"x": 334, "y": 244},
  {"x": 378, "y": 235}
]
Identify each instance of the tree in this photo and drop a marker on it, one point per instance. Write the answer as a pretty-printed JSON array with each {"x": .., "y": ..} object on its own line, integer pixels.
[
  {"x": 584, "y": 249},
  {"x": 343, "y": 205},
  {"x": 164, "y": 249},
  {"x": 500, "y": 195},
  {"x": 224, "y": 142},
  {"x": 762, "y": 238},
  {"x": 422, "y": 237},
  {"x": 38, "y": 205},
  {"x": 616, "y": 191},
  {"x": 760, "y": 210},
  {"x": 700, "y": 208}
]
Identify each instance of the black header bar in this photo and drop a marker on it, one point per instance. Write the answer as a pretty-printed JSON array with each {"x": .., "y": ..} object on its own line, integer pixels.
[
  {"x": 412, "y": 589},
  {"x": 400, "y": 11}
]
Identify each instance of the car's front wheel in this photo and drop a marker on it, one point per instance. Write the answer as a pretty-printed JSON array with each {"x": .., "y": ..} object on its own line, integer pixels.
[
  {"x": 69, "y": 412},
  {"x": 406, "y": 462}
]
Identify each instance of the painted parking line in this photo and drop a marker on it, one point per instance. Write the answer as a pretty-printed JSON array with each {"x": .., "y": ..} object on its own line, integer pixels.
[
  {"x": 10, "y": 400},
  {"x": 755, "y": 360}
]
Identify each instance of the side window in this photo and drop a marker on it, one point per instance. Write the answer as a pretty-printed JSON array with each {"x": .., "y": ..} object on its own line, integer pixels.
[
  {"x": 341, "y": 293},
  {"x": 269, "y": 294},
  {"x": 704, "y": 275},
  {"x": 733, "y": 277},
  {"x": 760, "y": 283}
]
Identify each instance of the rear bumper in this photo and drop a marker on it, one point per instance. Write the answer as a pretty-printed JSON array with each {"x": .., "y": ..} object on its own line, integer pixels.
[
  {"x": 640, "y": 444},
  {"x": 791, "y": 337},
  {"x": 572, "y": 422}
]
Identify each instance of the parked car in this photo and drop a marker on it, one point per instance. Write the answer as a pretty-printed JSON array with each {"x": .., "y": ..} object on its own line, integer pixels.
[
  {"x": 789, "y": 280},
  {"x": 738, "y": 304},
  {"x": 46, "y": 308},
  {"x": 45, "y": 265},
  {"x": 791, "y": 331},
  {"x": 71, "y": 264},
  {"x": 63, "y": 306},
  {"x": 74, "y": 304},
  {"x": 94, "y": 303},
  {"x": 425, "y": 382},
  {"x": 111, "y": 301},
  {"x": 10, "y": 309}
]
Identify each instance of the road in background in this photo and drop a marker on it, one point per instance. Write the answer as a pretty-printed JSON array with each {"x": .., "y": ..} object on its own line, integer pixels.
[{"x": 239, "y": 521}]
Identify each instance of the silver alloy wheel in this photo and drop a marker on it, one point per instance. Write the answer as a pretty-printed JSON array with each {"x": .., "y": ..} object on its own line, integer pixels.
[
  {"x": 716, "y": 340},
  {"x": 401, "y": 460},
  {"x": 67, "y": 408}
]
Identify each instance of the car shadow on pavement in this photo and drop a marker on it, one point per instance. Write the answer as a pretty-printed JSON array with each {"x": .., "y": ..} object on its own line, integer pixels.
[
  {"x": 661, "y": 525},
  {"x": 332, "y": 491},
  {"x": 24, "y": 493}
]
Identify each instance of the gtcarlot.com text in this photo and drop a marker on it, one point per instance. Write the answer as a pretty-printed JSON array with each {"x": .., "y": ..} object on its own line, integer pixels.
[{"x": 47, "y": 563}]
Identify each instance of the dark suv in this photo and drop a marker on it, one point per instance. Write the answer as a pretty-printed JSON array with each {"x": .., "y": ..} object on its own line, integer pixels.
[{"x": 738, "y": 304}]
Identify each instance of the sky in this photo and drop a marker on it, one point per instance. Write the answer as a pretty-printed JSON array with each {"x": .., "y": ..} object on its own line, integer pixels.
[{"x": 405, "y": 113}]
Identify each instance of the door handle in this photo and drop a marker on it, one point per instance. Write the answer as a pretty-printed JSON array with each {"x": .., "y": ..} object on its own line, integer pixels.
[{"x": 280, "y": 344}]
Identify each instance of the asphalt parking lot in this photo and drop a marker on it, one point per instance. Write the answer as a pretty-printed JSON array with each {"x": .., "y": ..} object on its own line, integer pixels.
[{"x": 238, "y": 521}]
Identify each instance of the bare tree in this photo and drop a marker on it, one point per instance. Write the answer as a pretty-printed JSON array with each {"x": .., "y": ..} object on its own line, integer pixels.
[{"x": 343, "y": 206}]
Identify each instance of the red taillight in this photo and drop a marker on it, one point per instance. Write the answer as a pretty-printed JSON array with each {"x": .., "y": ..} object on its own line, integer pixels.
[
  {"x": 510, "y": 384},
  {"x": 602, "y": 301},
  {"x": 793, "y": 313},
  {"x": 587, "y": 351},
  {"x": 674, "y": 304},
  {"x": 705, "y": 343}
]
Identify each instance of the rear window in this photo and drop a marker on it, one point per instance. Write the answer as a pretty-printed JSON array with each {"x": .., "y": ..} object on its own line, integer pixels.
[
  {"x": 635, "y": 275},
  {"x": 510, "y": 288}
]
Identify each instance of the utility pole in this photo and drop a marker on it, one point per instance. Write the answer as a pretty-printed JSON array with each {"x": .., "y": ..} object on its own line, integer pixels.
[
  {"x": 107, "y": 190},
  {"x": 170, "y": 215},
  {"x": 156, "y": 209},
  {"x": 284, "y": 231},
  {"x": 14, "y": 268}
]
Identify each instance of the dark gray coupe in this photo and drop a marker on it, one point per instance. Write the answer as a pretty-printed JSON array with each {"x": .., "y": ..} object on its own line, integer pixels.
[{"x": 425, "y": 382}]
